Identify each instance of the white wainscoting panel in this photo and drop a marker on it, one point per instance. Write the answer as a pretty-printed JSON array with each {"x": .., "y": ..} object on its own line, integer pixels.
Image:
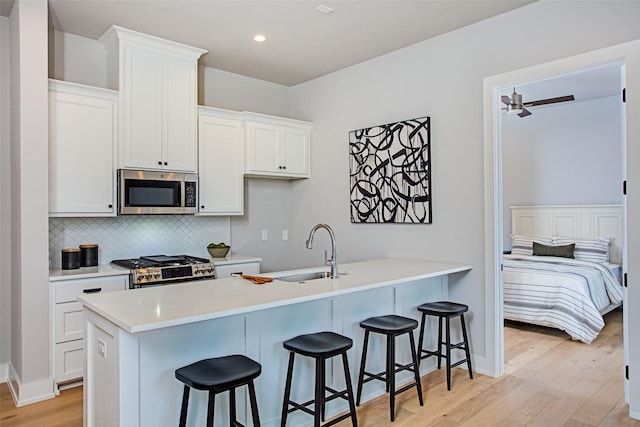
[{"x": 579, "y": 221}]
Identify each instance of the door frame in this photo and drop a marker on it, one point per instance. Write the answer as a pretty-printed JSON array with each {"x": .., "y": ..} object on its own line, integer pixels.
[{"x": 628, "y": 55}]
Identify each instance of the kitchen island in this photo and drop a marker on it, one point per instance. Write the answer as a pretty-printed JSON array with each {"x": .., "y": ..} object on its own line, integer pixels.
[{"x": 136, "y": 339}]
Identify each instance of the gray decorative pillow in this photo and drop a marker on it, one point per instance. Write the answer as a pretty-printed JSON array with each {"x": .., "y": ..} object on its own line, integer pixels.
[{"x": 564, "y": 251}]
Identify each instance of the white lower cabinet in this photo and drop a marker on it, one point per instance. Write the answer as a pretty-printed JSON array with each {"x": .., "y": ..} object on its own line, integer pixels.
[{"x": 67, "y": 323}]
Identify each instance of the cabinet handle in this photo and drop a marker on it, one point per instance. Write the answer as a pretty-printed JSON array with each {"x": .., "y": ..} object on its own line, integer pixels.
[
  {"x": 202, "y": 207},
  {"x": 165, "y": 163},
  {"x": 110, "y": 206},
  {"x": 160, "y": 163},
  {"x": 91, "y": 291}
]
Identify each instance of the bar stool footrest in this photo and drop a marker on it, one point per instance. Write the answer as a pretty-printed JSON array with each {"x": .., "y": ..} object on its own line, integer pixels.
[{"x": 458, "y": 363}]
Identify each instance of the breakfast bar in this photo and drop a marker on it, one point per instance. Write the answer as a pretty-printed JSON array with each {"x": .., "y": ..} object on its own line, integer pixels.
[{"x": 135, "y": 339}]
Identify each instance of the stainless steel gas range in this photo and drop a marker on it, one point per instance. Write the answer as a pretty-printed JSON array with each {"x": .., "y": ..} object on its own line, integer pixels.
[{"x": 163, "y": 269}]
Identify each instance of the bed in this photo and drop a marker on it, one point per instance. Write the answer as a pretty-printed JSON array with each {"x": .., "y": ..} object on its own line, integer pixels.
[{"x": 564, "y": 268}]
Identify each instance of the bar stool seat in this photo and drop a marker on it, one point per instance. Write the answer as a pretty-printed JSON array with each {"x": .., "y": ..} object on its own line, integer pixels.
[
  {"x": 391, "y": 326},
  {"x": 321, "y": 346},
  {"x": 217, "y": 375},
  {"x": 445, "y": 310}
]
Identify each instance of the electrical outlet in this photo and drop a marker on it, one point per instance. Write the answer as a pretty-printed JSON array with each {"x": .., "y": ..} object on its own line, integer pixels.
[
  {"x": 265, "y": 235},
  {"x": 285, "y": 234},
  {"x": 102, "y": 348}
]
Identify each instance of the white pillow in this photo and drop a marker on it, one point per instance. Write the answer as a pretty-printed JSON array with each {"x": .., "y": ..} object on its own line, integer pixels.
[
  {"x": 595, "y": 250},
  {"x": 523, "y": 245}
]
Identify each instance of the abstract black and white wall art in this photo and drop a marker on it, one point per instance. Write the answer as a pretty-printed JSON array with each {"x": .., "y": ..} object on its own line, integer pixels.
[{"x": 390, "y": 170}]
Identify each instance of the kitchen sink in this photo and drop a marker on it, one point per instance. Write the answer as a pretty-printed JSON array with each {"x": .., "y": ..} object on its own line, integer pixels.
[
  {"x": 305, "y": 276},
  {"x": 301, "y": 275}
]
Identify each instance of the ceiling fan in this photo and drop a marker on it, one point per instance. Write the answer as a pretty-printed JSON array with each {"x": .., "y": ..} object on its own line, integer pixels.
[{"x": 516, "y": 106}]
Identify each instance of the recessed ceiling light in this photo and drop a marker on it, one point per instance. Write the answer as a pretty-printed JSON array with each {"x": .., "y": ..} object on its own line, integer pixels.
[
  {"x": 324, "y": 9},
  {"x": 259, "y": 38}
]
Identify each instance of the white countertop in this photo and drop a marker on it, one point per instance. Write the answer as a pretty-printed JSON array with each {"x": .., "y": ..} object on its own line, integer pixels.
[
  {"x": 146, "y": 309},
  {"x": 101, "y": 270}
]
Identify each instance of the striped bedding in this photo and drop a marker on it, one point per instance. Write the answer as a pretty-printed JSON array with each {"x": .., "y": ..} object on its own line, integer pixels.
[{"x": 563, "y": 293}]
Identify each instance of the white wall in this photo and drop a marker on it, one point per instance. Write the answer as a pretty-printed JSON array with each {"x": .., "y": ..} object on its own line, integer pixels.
[
  {"x": 441, "y": 78},
  {"x": 5, "y": 207},
  {"x": 567, "y": 154}
]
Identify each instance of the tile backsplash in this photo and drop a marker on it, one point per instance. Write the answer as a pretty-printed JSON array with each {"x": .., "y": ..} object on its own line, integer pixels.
[{"x": 137, "y": 235}]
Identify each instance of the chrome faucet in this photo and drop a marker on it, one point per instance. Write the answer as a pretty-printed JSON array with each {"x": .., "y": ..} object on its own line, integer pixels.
[{"x": 333, "y": 261}]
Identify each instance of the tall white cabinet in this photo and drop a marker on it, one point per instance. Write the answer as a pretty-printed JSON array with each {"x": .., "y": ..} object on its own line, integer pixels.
[
  {"x": 157, "y": 82},
  {"x": 82, "y": 135},
  {"x": 221, "y": 183}
]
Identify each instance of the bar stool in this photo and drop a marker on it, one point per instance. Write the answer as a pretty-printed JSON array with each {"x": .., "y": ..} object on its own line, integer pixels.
[
  {"x": 445, "y": 310},
  {"x": 218, "y": 375},
  {"x": 321, "y": 346},
  {"x": 391, "y": 326}
]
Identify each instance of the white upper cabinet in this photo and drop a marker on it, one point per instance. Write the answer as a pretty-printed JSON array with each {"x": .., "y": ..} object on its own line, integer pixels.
[
  {"x": 82, "y": 132},
  {"x": 157, "y": 82},
  {"x": 221, "y": 182},
  {"x": 277, "y": 147}
]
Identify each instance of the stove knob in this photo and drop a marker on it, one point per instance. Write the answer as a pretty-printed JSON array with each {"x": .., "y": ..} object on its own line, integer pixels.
[
  {"x": 156, "y": 275},
  {"x": 196, "y": 270},
  {"x": 140, "y": 277},
  {"x": 210, "y": 270}
]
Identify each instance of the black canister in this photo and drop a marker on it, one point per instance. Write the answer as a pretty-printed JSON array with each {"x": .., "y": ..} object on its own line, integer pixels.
[
  {"x": 88, "y": 255},
  {"x": 70, "y": 258}
]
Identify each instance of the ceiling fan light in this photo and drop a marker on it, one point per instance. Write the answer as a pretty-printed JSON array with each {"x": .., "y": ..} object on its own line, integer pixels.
[{"x": 514, "y": 109}]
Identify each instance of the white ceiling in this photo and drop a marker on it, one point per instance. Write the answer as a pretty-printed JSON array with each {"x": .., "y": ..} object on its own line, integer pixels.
[{"x": 301, "y": 44}]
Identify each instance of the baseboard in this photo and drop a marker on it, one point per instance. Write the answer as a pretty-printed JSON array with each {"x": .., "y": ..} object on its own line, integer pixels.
[
  {"x": 25, "y": 394},
  {"x": 4, "y": 372},
  {"x": 482, "y": 366}
]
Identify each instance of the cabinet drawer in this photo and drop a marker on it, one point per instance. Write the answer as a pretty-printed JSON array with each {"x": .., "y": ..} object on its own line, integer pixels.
[
  {"x": 69, "y": 361},
  {"x": 250, "y": 268},
  {"x": 68, "y": 291},
  {"x": 68, "y": 321}
]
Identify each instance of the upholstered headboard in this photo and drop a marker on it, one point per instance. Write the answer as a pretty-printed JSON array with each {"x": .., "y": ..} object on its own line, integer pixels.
[{"x": 583, "y": 221}]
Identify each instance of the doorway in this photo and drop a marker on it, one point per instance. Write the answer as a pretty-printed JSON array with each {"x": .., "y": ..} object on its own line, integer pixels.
[
  {"x": 564, "y": 155},
  {"x": 626, "y": 55}
]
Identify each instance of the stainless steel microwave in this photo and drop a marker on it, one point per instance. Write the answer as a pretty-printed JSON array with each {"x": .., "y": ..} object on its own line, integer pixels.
[{"x": 157, "y": 192}]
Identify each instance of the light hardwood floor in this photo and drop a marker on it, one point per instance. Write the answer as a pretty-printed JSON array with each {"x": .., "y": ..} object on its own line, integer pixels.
[{"x": 549, "y": 381}]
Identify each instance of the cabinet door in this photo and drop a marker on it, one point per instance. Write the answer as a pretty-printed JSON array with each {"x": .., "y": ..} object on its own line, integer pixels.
[
  {"x": 221, "y": 183},
  {"x": 142, "y": 109},
  {"x": 179, "y": 115},
  {"x": 264, "y": 149},
  {"x": 69, "y": 360},
  {"x": 68, "y": 322},
  {"x": 81, "y": 146},
  {"x": 295, "y": 147},
  {"x": 278, "y": 150}
]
